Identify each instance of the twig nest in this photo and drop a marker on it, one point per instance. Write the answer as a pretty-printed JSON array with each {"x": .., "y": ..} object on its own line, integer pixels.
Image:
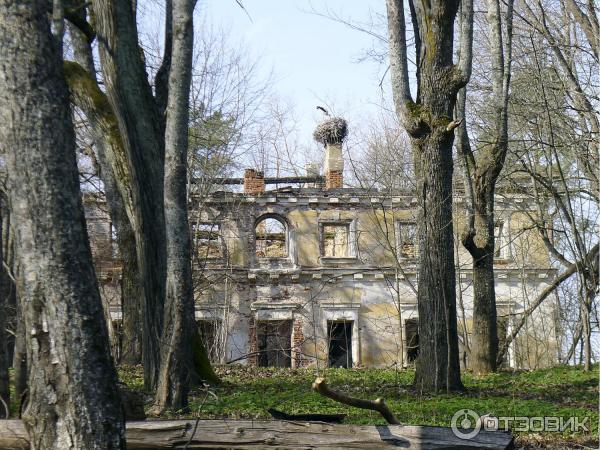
[{"x": 331, "y": 131}]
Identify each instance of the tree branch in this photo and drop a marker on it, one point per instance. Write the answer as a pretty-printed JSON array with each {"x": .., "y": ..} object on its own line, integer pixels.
[
  {"x": 81, "y": 24},
  {"x": 378, "y": 405},
  {"x": 398, "y": 55},
  {"x": 466, "y": 42},
  {"x": 593, "y": 253},
  {"x": 86, "y": 95}
]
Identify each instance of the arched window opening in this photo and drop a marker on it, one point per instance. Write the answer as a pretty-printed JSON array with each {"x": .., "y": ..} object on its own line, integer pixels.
[{"x": 271, "y": 238}]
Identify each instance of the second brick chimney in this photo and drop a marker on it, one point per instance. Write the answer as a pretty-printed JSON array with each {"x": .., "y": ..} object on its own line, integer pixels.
[{"x": 254, "y": 181}]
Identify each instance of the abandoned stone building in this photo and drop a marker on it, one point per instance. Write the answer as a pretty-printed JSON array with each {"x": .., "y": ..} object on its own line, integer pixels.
[{"x": 318, "y": 273}]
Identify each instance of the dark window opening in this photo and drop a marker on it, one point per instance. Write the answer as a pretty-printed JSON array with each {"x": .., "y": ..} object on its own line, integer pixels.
[
  {"x": 274, "y": 338},
  {"x": 412, "y": 339},
  {"x": 339, "y": 336},
  {"x": 207, "y": 329}
]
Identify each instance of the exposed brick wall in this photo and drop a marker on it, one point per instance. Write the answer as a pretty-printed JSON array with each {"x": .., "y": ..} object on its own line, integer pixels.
[
  {"x": 254, "y": 181},
  {"x": 253, "y": 358},
  {"x": 334, "y": 179},
  {"x": 298, "y": 359}
]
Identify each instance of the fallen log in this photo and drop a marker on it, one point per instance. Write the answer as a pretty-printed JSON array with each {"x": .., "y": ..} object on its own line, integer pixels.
[
  {"x": 247, "y": 434},
  {"x": 379, "y": 405}
]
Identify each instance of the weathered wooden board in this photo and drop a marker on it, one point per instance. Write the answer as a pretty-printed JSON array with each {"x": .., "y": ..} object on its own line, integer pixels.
[{"x": 236, "y": 434}]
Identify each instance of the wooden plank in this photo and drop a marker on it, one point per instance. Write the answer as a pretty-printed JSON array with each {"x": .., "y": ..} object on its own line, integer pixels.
[{"x": 246, "y": 434}]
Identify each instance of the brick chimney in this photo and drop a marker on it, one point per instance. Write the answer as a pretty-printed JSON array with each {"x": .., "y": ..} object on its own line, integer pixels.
[
  {"x": 331, "y": 133},
  {"x": 334, "y": 166},
  {"x": 254, "y": 181}
]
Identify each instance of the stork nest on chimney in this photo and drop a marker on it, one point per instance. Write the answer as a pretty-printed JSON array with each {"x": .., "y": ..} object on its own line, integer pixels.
[{"x": 331, "y": 131}]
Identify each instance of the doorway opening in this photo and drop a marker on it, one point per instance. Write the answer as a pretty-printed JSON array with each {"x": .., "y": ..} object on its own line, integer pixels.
[
  {"x": 412, "y": 339},
  {"x": 274, "y": 339},
  {"x": 339, "y": 337}
]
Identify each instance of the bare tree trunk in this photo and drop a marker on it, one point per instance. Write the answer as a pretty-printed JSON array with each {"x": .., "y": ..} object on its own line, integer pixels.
[
  {"x": 428, "y": 122},
  {"x": 20, "y": 357},
  {"x": 481, "y": 175},
  {"x": 140, "y": 127},
  {"x": 4, "y": 357},
  {"x": 177, "y": 361},
  {"x": 130, "y": 284},
  {"x": 73, "y": 400},
  {"x": 586, "y": 331}
]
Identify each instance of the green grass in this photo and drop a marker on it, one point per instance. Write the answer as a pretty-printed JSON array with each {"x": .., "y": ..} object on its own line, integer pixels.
[{"x": 248, "y": 392}]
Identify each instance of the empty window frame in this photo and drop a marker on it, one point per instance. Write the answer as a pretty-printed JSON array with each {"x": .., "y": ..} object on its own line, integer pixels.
[
  {"x": 207, "y": 237},
  {"x": 271, "y": 238},
  {"x": 500, "y": 240},
  {"x": 411, "y": 327},
  {"x": 339, "y": 338},
  {"x": 406, "y": 233},
  {"x": 207, "y": 329},
  {"x": 336, "y": 240},
  {"x": 274, "y": 342}
]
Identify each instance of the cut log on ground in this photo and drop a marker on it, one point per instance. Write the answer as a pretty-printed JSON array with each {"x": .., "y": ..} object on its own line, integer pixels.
[{"x": 176, "y": 434}]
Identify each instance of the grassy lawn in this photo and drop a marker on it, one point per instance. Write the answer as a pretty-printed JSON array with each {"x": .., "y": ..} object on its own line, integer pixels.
[{"x": 248, "y": 392}]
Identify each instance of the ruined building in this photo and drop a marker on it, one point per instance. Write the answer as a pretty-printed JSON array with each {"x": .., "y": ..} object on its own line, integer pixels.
[{"x": 319, "y": 273}]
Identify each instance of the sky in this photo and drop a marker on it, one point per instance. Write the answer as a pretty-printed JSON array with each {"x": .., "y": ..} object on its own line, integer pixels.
[{"x": 314, "y": 59}]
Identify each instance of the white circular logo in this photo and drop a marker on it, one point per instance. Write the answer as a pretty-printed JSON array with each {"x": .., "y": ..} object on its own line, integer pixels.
[{"x": 465, "y": 424}]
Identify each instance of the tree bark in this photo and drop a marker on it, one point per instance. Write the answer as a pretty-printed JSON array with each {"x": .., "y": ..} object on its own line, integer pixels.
[
  {"x": 131, "y": 344},
  {"x": 140, "y": 128},
  {"x": 20, "y": 357},
  {"x": 428, "y": 122},
  {"x": 73, "y": 400},
  {"x": 481, "y": 175},
  {"x": 4, "y": 357},
  {"x": 177, "y": 359}
]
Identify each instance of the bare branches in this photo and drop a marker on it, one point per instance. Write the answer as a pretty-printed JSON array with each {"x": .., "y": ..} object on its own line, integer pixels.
[
  {"x": 573, "y": 268},
  {"x": 378, "y": 405}
]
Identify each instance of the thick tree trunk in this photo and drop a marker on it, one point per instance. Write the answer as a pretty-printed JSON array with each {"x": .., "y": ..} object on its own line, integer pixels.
[
  {"x": 177, "y": 359},
  {"x": 73, "y": 401},
  {"x": 140, "y": 128},
  {"x": 131, "y": 338},
  {"x": 438, "y": 366},
  {"x": 428, "y": 122},
  {"x": 484, "y": 348},
  {"x": 19, "y": 362},
  {"x": 481, "y": 174},
  {"x": 4, "y": 358}
]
